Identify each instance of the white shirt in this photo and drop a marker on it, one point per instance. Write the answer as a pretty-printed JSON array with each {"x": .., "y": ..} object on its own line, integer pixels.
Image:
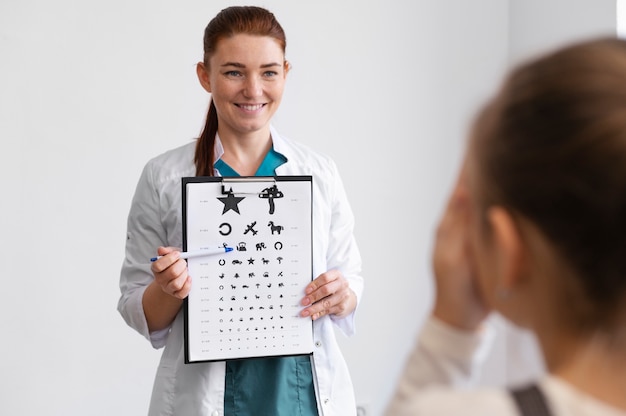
[
  {"x": 155, "y": 219},
  {"x": 444, "y": 357}
]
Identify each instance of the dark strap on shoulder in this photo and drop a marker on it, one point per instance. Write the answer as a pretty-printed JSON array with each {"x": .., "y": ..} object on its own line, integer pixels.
[{"x": 530, "y": 401}]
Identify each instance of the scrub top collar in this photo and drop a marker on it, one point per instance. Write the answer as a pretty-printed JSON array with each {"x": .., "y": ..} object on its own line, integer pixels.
[{"x": 272, "y": 160}]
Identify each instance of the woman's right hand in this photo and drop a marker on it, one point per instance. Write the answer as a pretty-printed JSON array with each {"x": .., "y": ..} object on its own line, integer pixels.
[
  {"x": 170, "y": 273},
  {"x": 458, "y": 301}
]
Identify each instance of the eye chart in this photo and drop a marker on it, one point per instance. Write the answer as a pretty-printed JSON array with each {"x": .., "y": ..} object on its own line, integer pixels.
[{"x": 246, "y": 303}]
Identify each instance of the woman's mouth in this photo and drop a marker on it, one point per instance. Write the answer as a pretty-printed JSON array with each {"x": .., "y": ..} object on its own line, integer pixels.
[{"x": 250, "y": 107}]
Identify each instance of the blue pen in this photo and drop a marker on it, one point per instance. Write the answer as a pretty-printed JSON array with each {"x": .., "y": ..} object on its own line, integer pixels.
[{"x": 199, "y": 253}]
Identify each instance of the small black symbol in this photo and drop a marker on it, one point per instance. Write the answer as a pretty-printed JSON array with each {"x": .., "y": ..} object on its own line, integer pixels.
[
  {"x": 269, "y": 194},
  {"x": 241, "y": 246},
  {"x": 250, "y": 229},
  {"x": 226, "y": 225},
  {"x": 230, "y": 201},
  {"x": 260, "y": 246},
  {"x": 275, "y": 228}
]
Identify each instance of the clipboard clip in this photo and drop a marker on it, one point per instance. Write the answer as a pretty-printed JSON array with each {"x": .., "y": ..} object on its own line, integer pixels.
[
  {"x": 269, "y": 193},
  {"x": 265, "y": 193}
]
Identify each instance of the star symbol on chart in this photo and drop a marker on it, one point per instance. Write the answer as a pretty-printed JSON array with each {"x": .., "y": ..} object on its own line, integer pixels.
[
  {"x": 230, "y": 201},
  {"x": 250, "y": 260}
]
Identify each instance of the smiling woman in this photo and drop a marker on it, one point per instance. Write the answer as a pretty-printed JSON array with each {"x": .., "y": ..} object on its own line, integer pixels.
[
  {"x": 246, "y": 78},
  {"x": 245, "y": 70}
]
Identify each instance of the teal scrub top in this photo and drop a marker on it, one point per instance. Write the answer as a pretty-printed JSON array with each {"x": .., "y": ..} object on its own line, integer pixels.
[{"x": 277, "y": 386}]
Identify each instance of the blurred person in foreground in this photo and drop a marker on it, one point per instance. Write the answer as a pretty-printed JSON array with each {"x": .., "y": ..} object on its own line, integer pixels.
[{"x": 535, "y": 229}]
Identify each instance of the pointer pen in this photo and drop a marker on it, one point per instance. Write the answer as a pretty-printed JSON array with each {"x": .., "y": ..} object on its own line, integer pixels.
[{"x": 199, "y": 253}]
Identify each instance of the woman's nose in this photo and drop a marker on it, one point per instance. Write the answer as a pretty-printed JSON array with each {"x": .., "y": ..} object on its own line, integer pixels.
[{"x": 253, "y": 87}]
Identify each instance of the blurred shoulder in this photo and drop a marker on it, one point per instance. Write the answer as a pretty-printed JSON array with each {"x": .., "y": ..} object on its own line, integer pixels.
[{"x": 443, "y": 401}]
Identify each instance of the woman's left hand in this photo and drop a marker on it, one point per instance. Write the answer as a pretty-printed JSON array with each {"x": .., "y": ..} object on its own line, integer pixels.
[{"x": 328, "y": 294}]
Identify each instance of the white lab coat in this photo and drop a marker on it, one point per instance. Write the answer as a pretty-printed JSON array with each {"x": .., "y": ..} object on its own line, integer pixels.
[{"x": 155, "y": 220}]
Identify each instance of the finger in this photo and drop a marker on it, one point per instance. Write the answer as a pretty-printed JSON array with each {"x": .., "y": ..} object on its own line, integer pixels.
[
  {"x": 322, "y": 292},
  {"x": 176, "y": 284},
  {"x": 319, "y": 281},
  {"x": 319, "y": 309},
  {"x": 165, "y": 261},
  {"x": 173, "y": 282},
  {"x": 325, "y": 307},
  {"x": 172, "y": 278},
  {"x": 319, "y": 289},
  {"x": 183, "y": 292},
  {"x": 336, "y": 304}
]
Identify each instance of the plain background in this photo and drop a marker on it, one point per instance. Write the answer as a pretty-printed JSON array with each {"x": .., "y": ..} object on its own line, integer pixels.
[{"x": 89, "y": 91}]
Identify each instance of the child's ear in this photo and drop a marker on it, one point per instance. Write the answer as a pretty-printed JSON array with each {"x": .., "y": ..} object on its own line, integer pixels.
[{"x": 509, "y": 248}]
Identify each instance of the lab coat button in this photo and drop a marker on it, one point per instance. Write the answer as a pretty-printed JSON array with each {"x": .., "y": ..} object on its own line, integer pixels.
[
  {"x": 215, "y": 413},
  {"x": 318, "y": 343},
  {"x": 326, "y": 401}
]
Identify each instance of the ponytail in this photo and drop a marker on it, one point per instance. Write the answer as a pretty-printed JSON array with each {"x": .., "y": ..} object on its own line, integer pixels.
[{"x": 205, "y": 146}]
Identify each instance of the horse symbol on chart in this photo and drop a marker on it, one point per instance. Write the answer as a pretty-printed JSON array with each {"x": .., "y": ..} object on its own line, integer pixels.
[{"x": 275, "y": 228}]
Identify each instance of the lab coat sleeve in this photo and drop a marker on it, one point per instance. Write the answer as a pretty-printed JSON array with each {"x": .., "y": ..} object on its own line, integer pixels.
[
  {"x": 144, "y": 234},
  {"x": 343, "y": 253},
  {"x": 442, "y": 356}
]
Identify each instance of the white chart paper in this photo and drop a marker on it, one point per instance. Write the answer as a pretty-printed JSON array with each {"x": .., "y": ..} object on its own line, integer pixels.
[{"x": 246, "y": 303}]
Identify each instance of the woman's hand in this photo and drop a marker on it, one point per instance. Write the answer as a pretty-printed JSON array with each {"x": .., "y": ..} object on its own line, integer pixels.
[
  {"x": 328, "y": 294},
  {"x": 170, "y": 273},
  {"x": 164, "y": 296},
  {"x": 457, "y": 301}
]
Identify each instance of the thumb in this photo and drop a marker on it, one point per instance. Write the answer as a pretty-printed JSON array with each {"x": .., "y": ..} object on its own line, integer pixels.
[{"x": 162, "y": 251}]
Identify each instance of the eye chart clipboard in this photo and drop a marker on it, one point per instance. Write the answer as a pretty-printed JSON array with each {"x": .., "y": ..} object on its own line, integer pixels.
[{"x": 246, "y": 303}]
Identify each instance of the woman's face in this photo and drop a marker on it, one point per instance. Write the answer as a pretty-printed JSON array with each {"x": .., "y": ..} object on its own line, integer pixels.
[{"x": 246, "y": 78}]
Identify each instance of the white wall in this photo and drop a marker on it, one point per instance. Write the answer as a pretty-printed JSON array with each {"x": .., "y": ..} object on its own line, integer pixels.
[
  {"x": 537, "y": 25},
  {"x": 90, "y": 90}
]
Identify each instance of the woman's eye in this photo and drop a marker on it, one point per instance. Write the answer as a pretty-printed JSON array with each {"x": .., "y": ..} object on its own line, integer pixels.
[
  {"x": 233, "y": 73},
  {"x": 270, "y": 74}
]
